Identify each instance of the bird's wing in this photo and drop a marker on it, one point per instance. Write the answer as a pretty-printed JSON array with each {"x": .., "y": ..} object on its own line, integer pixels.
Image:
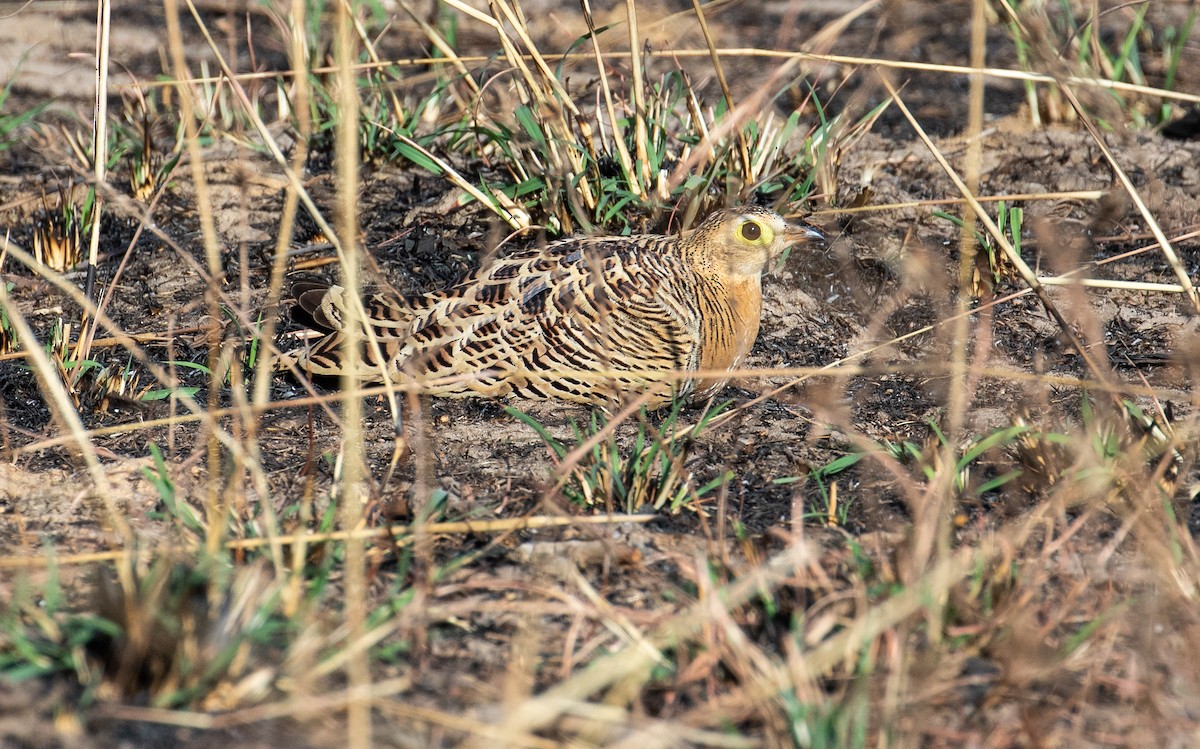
[{"x": 551, "y": 321}]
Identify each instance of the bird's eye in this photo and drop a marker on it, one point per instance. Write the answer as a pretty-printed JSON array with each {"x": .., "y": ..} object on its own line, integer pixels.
[{"x": 751, "y": 231}]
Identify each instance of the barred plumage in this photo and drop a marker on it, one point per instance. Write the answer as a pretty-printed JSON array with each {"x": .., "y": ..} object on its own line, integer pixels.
[{"x": 581, "y": 319}]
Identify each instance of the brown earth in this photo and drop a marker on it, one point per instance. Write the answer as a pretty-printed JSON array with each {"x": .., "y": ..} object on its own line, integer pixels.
[{"x": 886, "y": 273}]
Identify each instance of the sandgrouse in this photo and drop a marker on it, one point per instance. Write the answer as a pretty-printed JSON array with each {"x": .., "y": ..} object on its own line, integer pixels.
[{"x": 580, "y": 319}]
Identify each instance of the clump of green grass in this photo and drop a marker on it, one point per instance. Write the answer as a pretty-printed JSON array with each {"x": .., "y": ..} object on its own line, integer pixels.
[
  {"x": 1118, "y": 43},
  {"x": 972, "y": 478},
  {"x": 831, "y": 510},
  {"x": 1117, "y": 456},
  {"x": 1110, "y": 457},
  {"x": 141, "y": 136},
  {"x": 40, "y": 636},
  {"x": 58, "y": 231},
  {"x": 185, "y": 629},
  {"x": 12, "y": 123},
  {"x": 685, "y": 163},
  {"x": 1033, "y": 459},
  {"x": 533, "y": 154},
  {"x": 993, "y": 266},
  {"x": 92, "y": 381},
  {"x": 650, "y": 472},
  {"x": 969, "y": 453},
  {"x": 8, "y": 336},
  {"x": 163, "y": 639}
]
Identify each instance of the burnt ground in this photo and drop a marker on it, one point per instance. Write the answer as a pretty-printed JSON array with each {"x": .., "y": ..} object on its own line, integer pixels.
[{"x": 886, "y": 274}]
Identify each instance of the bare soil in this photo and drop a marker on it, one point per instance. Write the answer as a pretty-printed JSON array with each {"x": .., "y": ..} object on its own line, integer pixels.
[{"x": 886, "y": 274}]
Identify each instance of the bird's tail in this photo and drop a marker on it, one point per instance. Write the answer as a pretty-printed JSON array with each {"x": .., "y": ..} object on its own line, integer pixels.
[{"x": 328, "y": 309}]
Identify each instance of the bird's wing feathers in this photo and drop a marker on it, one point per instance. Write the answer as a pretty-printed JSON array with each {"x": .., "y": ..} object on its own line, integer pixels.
[
  {"x": 530, "y": 323},
  {"x": 533, "y": 321}
]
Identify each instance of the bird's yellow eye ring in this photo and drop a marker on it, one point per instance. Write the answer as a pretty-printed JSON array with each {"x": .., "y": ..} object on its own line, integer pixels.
[{"x": 754, "y": 232}]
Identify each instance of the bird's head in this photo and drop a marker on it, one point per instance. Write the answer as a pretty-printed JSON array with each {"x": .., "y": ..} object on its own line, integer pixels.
[{"x": 749, "y": 241}]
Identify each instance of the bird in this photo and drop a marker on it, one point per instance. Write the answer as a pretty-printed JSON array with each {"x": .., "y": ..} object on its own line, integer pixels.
[{"x": 582, "y": 319}]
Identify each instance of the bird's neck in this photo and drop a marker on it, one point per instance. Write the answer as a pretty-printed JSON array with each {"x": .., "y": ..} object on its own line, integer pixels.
[{"x": 696, "y": 257}]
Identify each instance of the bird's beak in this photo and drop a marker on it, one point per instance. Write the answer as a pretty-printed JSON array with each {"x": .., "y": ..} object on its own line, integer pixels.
[
  {"x": 800, "y": 232},
  {"x": 797, "y": 233}
]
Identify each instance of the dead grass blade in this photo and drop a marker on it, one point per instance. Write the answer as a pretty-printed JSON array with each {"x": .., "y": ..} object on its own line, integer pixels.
[
  {"x": 100, "y": 156},
  {"x": 1025, "y": 271},
  {"x": 352, "y": 458},
  {"x": 625, "y": 160},
  {"x": 307, "y": 706},
  {"x": 214, "y": 504},
  {"x": 743, "y": 150},
  {"x": 752, "y": 52},
  {"x": 638, "y": 92},
  {"x": 397, "y": 535},
  {"x": 1164, "y": 244},
  {"x": 500, "y": 204},
  {"x": 438, "y": 40},
  {"x": 1007, "y": 198}
]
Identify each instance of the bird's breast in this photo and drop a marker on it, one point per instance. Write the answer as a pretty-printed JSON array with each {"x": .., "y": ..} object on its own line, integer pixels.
[{"x": 730, "y": 316}]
